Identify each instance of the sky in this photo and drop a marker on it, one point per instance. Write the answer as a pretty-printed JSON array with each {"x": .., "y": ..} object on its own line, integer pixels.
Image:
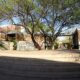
[
  {"x": 16, "y": 20},
  {"x": 5, "y": 22},
  {"x": 8, "y": 22}
]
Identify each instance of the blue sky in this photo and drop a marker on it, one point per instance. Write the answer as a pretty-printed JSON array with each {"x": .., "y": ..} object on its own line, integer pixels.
[
  {"x": 5, "y": 22},
  {"x": 8, "y": 22},
  {"x": 16, "y": 20}
]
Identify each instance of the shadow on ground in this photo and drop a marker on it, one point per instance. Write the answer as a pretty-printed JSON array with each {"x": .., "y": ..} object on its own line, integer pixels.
[
  {"x": 37, "y": 69},
  {"x": 71, "y": 51}
]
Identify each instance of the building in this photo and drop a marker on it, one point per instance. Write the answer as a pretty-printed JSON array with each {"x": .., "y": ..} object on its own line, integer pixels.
[
  {"x": 17, "y": 33},
  {"x": 11, "y": 32}
]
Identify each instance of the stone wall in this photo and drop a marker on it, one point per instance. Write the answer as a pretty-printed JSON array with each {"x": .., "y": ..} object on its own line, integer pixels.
[
  {"x": 2, "y": 36},
  {"x": 39, "y": 39},
  {"x": 23, "y": 46}
]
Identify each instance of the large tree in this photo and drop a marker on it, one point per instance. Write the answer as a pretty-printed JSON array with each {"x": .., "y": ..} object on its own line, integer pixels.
[
  {"x": 58, "y": 14},
  {"x": 46, "y": 16},
  {"x": 24, "y": 12}
]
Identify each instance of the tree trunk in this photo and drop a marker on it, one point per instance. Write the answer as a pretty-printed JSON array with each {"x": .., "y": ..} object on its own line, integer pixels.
[
  {"x": 45, "y": 42},
  {"x": 35, "y": 43}
]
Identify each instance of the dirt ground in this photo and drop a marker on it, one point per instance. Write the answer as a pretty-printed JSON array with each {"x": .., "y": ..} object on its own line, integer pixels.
[
  {"x": 40, "y": 65},
  {"x": 58, "y": 55}
]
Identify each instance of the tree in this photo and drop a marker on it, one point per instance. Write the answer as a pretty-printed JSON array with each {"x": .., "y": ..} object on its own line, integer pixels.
[
  {"x": 58, "y": 14},
  {"x": 48, "y": 17},
  {"x": 24, "y": 10}
]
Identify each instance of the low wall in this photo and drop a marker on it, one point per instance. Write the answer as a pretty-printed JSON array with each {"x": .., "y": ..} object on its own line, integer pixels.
[{"x": 23, "y": 46}]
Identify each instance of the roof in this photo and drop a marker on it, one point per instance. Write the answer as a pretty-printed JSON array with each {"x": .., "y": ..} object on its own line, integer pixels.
[
  {"x": 9, "y": 28},
  {"x": 13, "y": 32}
]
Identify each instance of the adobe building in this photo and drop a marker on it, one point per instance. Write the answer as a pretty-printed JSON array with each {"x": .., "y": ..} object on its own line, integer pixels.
[
  {"x": 13, "y": 33},
  {"x": 76, "y": 39},
  {"x": 10, "y": 32}
]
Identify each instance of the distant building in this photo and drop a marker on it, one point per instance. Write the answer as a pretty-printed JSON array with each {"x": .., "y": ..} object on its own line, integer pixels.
[
  {"x": 10, "y": 32},
  {"x": 16, "y": 32},
  {"x": 72, "y": 39}
]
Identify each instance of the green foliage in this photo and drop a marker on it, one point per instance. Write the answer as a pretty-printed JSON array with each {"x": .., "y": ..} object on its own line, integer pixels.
[
  {"x": 15, "y": 43},
  {"x": 55, "y": 45},
  {"x": 37, "y": 15},
  {"x": 2, "y": 46}
]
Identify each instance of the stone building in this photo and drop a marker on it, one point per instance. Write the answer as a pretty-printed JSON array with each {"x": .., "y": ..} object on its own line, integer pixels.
[
  {"x": 10, "y": 32},
  {"x": 17, "y": 33},
  {"x": 13, "y": 33}
]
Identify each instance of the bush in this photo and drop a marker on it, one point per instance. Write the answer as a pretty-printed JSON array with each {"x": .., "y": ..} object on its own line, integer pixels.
[
  {"x": 15, "y": 44},
  {"x": 55, "y": 45}
]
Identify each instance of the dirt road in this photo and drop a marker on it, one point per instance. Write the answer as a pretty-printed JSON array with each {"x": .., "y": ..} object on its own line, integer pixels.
[{"x": 39, "y": 65}]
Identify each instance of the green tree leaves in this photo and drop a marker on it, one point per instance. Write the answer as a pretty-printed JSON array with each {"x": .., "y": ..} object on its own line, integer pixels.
[{"x": 49, "y": 16}]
